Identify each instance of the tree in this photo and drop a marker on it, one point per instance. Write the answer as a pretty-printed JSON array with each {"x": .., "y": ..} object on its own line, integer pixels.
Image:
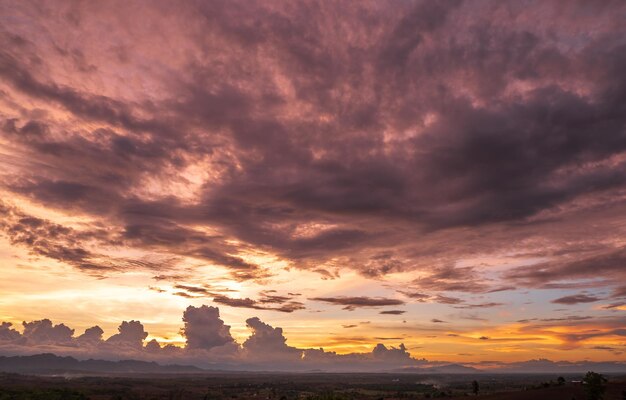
[
  {"x": 475, "y": 387},
  {"x": 560, "y": 380},
  {"x": 595, "y": 385}
]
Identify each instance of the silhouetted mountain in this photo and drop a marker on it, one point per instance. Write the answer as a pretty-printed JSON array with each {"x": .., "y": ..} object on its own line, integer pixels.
[{"x": 50, "y": 363}]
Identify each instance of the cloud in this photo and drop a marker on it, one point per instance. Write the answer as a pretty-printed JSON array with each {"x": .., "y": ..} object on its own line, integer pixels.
[
  {"x": 447, "y": 299},
  {"x": 268, "y": 343},
  {"x": 453, "y": 279},
  {"x": 615, "y": 305},
  {"x": 92, "y": 336},
  {"x": 8, "y": 334},
  {"x": 204, "y": 329},
  {"x": 193, "y": 289},
  {"x": 399, "y": 354},
  {"x": 421, "y": 297},
  {"x": 575, "y": 299},
  {"x": 210, "y": 345},
  {"x": 351, "y": 303},
  {"x": 601, "y": 264},
  {"x": 131, "y": 334},
  {"x": 392, "y": 312},
  {"x": 479, "y": 305},
  {"x": 45, "y": 332},
  {"x": 372, "y": 176},
  {"x": 153, "y": 346},
  {"x": 619, "y": 292},
  {"x": 286, "y": 304}
]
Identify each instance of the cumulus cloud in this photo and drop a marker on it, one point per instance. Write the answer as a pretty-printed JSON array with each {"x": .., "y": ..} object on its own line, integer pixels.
[
  {"x": 130, "y": 334},
  {"x": 383, "y": 353},
  {"x": 45, "y": 332},
  {"x": 153, "y": 346},
  {"x": 267, "y": 342},
  {"x": 210, "y": 345},
  {"x": 8, "y": 334},
  {"x": 204, "y": 329},
  {"x": 91, "y": 336}
]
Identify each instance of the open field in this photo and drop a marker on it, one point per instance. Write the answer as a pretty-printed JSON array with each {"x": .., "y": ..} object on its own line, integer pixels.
[{"x": 295, "y": 386}]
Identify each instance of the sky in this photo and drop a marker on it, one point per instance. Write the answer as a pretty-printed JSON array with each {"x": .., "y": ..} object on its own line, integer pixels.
[{"x": 391, "y": 181}]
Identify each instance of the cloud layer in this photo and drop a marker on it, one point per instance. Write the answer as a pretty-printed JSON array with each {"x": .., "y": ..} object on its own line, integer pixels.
[
  {"x": 208, "y": 344},
  {"x": 395, "y": 124}
]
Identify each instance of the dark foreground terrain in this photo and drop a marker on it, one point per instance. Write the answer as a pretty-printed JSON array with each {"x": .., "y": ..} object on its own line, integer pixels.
[{"x": 298, "y": 386}]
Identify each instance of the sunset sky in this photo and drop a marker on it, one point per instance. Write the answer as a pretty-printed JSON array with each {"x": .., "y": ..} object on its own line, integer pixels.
[{"x": 450, "y": 175}]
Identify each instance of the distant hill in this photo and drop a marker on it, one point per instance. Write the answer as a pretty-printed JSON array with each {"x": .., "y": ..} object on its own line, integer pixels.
[
  {"x": 49, "y": 363},
  {"x": 547, "y": 366},
  {"x": 541, "y": 366},
  {"x": 442, "y": 369}
]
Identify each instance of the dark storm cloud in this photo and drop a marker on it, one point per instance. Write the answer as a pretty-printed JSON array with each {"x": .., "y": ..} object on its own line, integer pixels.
[{"x": 374, "y": 142}]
